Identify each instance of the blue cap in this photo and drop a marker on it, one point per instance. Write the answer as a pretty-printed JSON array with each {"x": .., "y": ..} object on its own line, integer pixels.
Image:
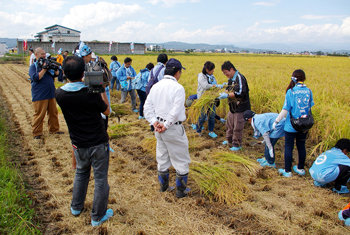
[{"x": 174, "y": 63}]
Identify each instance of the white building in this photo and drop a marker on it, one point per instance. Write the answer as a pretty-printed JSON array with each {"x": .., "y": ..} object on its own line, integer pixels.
[
  {"x": 58, "y": 33},
  {"x": 156, "y": 47},
  {"x": 3, "y": 48}
]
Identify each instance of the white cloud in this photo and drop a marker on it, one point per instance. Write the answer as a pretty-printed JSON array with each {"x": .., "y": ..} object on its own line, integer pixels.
[
  {"x": 50, "y": 5},
  {"x": 300, "y": 33},
  {"x": 319, "y": 17},
  {"x": 169, "y": 3},
  {"x": 83, "y": 16},
  {"x": 23, "y": 24}
]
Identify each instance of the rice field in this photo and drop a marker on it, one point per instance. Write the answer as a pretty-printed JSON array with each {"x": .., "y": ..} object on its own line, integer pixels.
[{"x": 269, "y": 75}]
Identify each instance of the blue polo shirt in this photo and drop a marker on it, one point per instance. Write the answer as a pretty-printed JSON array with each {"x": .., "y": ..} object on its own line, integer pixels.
[
  {"x": 44, "y": 88},
  {"x": 263, "y": 123},
  {"x": 299, "y": 101},
  {"x": 325, "y": 168}
]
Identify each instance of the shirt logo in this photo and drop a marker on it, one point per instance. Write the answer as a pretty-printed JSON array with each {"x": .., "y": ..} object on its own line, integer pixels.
[{"x": 321, "y": 159}]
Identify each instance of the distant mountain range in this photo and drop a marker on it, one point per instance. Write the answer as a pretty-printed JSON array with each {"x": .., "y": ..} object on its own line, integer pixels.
[
  {"x": 10, "y": 42},
  {"x": 297, "y": 47}
]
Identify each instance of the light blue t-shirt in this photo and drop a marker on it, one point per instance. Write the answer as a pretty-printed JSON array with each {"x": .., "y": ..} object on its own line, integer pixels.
[
  {"x": 263, "y": 123},
  {"x": 325, "y": 168},
  {"x": 298, "y": 100}
]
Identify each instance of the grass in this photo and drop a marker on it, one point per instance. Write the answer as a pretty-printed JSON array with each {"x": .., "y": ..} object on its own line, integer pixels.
[{"x": 16, "y": 212}]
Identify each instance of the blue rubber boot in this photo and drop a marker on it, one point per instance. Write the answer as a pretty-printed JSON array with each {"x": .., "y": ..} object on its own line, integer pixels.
[
  {"x": 163, "y": 178},
  {"x": 181, "y": 185}
]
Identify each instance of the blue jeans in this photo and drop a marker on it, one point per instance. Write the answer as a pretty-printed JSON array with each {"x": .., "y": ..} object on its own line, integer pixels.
[
  {"x": 142, "y": 96},
  {"x": 98, "y": 158},
  {"x": 300, "y": 138},
  {"x": 117, "y": 84},
  {"x": 211, "y": 120},
  {"x": 267, "y": 154}
]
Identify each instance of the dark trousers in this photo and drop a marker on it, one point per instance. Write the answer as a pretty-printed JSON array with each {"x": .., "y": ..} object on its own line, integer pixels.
[
  {"x": 142, "y": 97},
  {"x": 98, "y": 158},
  {"x": 300, "y": 139},
  {"x": 343, "y": 177}
]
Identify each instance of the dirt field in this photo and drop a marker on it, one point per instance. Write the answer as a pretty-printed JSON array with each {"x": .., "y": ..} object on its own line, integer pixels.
[{"x": 275, "y": 205}]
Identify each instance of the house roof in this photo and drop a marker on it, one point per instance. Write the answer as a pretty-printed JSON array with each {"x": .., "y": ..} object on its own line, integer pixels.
[{"x": 55, "y": 25}]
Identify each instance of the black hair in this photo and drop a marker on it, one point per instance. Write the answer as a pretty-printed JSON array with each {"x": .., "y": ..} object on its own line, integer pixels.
[
  {"x": 127, "y": 60},
  {"x": 66, "y": 51},
  {"x": 162, "y": 58},
  {"x": 73, "y": 67},
  {"x": 227, "y": 65},
  {"x": 299, "y": 75},
  {"x": 171, "y": 71},
  {"x": 208, "y": 65},
  {"x": 343, "y": 144},
  {"x": 114, "y": 58},
  {"x": 150, "y": 66}
]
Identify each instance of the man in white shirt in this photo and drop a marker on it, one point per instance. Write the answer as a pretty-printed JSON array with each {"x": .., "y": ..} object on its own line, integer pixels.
[{"x": 165, "y": 110}]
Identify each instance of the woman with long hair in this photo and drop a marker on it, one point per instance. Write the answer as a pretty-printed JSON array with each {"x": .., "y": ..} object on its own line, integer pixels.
[{"x": 298, "y": 102}]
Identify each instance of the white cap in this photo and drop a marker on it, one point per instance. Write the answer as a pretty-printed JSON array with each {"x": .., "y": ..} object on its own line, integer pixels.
[{"x": 48, "y": 55}]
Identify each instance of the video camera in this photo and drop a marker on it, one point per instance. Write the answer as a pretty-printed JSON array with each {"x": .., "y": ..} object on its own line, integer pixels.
[
  {"x": 95, "y": 76},
  {"x": 48, "y": 64}
]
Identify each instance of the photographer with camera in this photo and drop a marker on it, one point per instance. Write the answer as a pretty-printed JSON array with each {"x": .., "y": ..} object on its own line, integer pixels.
[
  {"x": 42, "y": 75},
  {"x": 82, "y": 112}
]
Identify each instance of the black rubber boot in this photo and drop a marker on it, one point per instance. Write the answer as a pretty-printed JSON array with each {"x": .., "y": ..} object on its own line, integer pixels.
[
  {"x": 163, "y": 177},
  {"x": 181, "y": 185}
]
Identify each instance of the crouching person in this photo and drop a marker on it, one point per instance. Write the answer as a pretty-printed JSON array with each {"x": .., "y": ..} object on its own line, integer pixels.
[
  {"x": 333, "y": 165},
  {"x": 165, "y": 110},
  {"x": 263, "y": 126},
  {"x": 82, "y": 112}
]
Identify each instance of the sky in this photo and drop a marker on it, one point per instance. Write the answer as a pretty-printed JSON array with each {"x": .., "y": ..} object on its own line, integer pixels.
[{"x": 191, "y": 21}]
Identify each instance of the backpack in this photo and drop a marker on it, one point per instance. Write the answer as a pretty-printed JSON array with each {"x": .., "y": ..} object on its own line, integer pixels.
[
  {"x": 137, "y": 83},
  {"x": 153, "y": 80}
]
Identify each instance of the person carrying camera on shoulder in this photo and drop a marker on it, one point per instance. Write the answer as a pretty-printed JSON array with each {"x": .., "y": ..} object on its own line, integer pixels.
[
  {"x": 82, "y": 112},
  {"x": 42, "y": 75}
]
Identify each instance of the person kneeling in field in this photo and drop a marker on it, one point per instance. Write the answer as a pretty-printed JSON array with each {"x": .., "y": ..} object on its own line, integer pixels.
[
  {"x": 262, "y": 125},
  {"x": 165, "y": 110},
  {"x": 82, "y": 112},
  {"x": 333, "y": 165}
]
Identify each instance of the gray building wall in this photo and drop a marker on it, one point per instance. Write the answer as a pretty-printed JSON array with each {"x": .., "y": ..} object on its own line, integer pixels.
[{"x": 99, "y": 48}]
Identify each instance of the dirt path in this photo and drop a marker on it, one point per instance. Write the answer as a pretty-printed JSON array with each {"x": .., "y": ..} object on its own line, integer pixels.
[{"x": 275, "y": 205}]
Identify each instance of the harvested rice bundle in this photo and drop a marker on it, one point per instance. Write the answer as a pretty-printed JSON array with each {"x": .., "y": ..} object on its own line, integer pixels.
[
  {"x": 227, "y": 157},
  {"x": 219, "y": 183},
  {"x": 119, "y": 130},
  {"x": 203, "y": 104},
  {"x": 120, "y": 109}
]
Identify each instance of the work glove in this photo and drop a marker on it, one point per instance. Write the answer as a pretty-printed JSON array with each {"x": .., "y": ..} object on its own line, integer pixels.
[
  {"x": 220, "y": 86},
  {"x": 274, "y": 125},
  {"x": 223, "y": 95},
  {"x": 222, "y": 120},
  {"x": 271, "y": 153}
]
